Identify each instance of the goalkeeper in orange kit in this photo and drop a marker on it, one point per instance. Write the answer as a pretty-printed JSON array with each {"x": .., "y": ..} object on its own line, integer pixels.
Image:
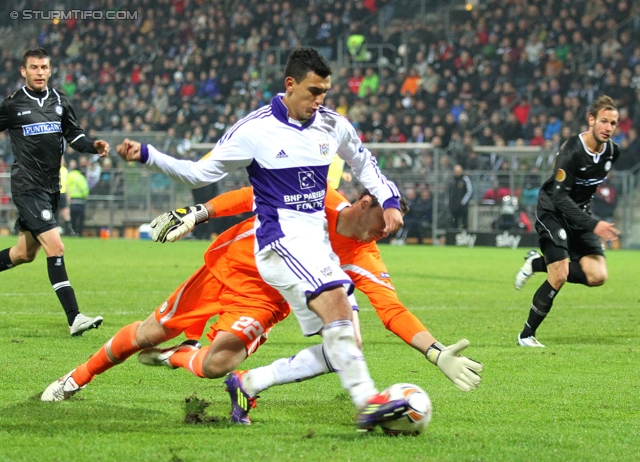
[{"x": 229, "y": 285}]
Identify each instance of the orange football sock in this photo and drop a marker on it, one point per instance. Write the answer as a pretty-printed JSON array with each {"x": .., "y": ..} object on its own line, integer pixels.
[
  {"x": 115, "y": 351},
  {"x": 191, "y": 360}
]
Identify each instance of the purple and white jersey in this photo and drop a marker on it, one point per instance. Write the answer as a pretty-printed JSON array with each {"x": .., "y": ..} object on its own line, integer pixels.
[{"x": 287, "y": 163}]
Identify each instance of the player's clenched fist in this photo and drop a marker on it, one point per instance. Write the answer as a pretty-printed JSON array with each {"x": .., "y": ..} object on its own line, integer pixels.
[
  {"x": 129, "y": 150},
  {"x": 171, "y": 226}
]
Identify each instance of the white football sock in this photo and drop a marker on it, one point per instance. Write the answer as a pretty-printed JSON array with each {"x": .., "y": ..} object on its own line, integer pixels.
[
  {"x": 307, "y": 364},
  {"x": 346, "y": 358}
]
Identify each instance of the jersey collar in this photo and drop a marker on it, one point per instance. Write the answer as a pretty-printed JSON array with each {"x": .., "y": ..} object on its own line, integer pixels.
[
  {"x": 281, "y": 113},
  {"x": 35, "y": 95},
  {"x": 596, "y": 155}
]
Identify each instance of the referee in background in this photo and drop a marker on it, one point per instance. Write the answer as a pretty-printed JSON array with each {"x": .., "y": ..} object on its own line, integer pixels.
[{"x": 39, "y": 119}]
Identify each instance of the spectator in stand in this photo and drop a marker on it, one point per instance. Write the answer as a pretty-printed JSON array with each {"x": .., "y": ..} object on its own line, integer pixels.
[
  {"x": 355, "y": 81},
  {"x": 538, "y": 137},
  {"x": 369, "y": 84},
  {"x": 411, "y": 83},
  {"x": 418, "y": 219},
  {"x": 521, "y": 111},
  {"x": 396, "y": 136},
  {"x": 624, "y": 122}
]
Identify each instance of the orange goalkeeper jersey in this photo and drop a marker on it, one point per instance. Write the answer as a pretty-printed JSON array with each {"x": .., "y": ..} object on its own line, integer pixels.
[{"x": 231, "y": 259}]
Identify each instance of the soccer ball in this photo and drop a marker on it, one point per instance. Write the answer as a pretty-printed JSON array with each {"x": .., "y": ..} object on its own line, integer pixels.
[{"x": 419, "y": 414}]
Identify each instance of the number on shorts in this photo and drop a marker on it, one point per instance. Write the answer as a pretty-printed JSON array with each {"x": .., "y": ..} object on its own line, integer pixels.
[{"x": 249, "y": 327}]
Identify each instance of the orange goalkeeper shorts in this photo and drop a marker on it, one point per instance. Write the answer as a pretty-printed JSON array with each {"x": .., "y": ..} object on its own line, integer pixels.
[{"x": 202, "y": 297}]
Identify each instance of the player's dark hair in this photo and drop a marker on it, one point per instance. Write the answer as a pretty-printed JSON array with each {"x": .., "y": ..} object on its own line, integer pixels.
[
  {"x": 404, "y": 206},
  {"x": 603, "y": 102},
  {"x": 38, "y": 53},
  {"x": 305, "y": 60}
]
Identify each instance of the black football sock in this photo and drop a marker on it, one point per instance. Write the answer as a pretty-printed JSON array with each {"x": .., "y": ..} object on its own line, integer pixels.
[
  {"x": 576, "y": 275},
  {"x": 62, "y": 287},
  {"x": 542, "y": 302},
  {"x": 5, "y": 260},
  {"x": 538, "y": 265}
]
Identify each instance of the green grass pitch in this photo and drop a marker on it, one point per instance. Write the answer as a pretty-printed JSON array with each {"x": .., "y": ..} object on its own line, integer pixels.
[{"x": 576, "y": 400}]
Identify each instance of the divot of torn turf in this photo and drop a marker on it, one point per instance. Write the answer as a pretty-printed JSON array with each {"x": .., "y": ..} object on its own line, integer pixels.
[{"x": 195, "y": 411}]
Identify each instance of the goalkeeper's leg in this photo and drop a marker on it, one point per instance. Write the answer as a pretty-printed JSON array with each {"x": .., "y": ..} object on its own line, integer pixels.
[
  {"x": 127, "y": 341},
  {"x": 225, "y": 353}
]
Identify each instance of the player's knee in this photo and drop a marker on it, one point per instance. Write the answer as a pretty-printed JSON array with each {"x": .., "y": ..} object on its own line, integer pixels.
[
  {"x": 558, "y": 279},
  {"x": 597, "y": 278},
  {"x": 57, "y": 249}
]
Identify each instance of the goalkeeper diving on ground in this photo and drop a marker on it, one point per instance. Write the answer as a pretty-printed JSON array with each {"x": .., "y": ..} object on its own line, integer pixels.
[{"x": 229, "y": 285}]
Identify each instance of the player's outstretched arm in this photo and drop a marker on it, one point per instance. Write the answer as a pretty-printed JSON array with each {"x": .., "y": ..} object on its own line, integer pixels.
[
  {"x": 171, "y": 226},
  {"x": 462, "y": 371}
]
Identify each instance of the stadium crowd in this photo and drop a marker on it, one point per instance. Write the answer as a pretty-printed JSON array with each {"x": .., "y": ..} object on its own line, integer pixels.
[{"x": 508, "y": 72}]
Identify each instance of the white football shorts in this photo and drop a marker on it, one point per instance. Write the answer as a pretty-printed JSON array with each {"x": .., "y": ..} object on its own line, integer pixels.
[{"x": 299, "y": 269}]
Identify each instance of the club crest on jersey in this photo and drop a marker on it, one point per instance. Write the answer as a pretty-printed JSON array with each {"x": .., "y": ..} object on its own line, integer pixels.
[
  {"x": 46, "y": 215},
  {"x": 307, "y": 179},
  {"x": 561, "y": 175},
  {"x": 607, "y": 166},
  {"x": 327, "y": 271},
  {"x": 562, "y": 234},
  {"x": 58, "y": 109},
  {"x": 324, "y": 148}
]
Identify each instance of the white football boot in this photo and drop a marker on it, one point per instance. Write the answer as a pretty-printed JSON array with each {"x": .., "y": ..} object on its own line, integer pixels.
[
  {"x": 160, "y": 357},
  {"x": 83, "y": 323},
  {"x": 63, "y": 388},
  {"x": 526, "y": 271},
  {"x": 529, "y": 342}
]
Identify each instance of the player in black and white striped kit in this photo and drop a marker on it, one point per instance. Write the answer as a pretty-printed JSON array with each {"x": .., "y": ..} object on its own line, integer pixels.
[
  {"x": 569, "y": 235},
  {"x": 39, "y": 120}
]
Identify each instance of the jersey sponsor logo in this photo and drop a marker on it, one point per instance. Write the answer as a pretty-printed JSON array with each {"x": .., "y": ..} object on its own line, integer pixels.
[
  {"x": 41, "y": 128},
  {"x": 561, "y": 175},
  {"x": 282, "y": 155},
  {"x": 58, "y": 109},
  {"x": 309, "y": 201},
  {"x": 164, "y": 306},
  {"x": 582, "y": 169},
  {"x": 607, "y": 166},
  {"x": 46, "y": 215},
  {"x": 307, "y": 179},
  {"x": 384, "y": 276},
  {"x": 24, "y": 113},
  {"x": 361, "y": 148},
  {"x": 562, "y": 234}
]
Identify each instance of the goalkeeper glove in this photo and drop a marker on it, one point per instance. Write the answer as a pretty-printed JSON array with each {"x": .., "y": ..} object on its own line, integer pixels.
[
  {"x": 171, "y": 226},
  {"x": 462, "y": 371}
]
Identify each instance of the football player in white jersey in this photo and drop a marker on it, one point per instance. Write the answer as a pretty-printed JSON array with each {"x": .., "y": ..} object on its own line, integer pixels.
[{"x": 287, "y": 148}]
